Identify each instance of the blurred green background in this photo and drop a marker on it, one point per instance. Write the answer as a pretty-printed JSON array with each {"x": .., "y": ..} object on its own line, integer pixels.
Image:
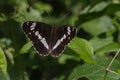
[{"x": 85, "y": 58}]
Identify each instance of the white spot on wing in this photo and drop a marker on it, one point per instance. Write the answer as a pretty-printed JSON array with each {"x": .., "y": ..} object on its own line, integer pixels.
[
  {"x": 64, "y": 36},
  {"x": 57, "y": 44},
  {"x": 73, "y": 29},
  {"x": 60, "y": 52},
  {"x": 68, "y": 37},
  {"x": 68, "y": 30},
  {"x": 59, "y": 41},
  {"x": 27, "y": 23},
  {"x": 32, "y": 27},
  {"x": 38, "y": 34},
  {"x": 29, "y": 33},
  {"x": 40, "y": 53},
  {"x": 43, "y": 40}
]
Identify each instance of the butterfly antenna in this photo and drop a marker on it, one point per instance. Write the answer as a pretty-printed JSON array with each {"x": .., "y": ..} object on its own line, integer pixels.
[
  {"x": 63, "y": 18},
  {"x": 50, "y": 16}
]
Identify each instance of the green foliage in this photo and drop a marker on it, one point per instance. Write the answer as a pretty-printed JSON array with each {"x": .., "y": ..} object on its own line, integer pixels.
[
  {"x": 2, "y": 75},
  {"x": 95, "y": 72},
  {"x": 3, "y": 62},
  {"x": 86, "y": 57},
  {"x": 26, "y": 48},
  {"x": 83, "y": 48}
]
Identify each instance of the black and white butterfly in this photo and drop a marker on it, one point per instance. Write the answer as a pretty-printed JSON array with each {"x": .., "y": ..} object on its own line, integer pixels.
[{"x": 48, "y": 39}]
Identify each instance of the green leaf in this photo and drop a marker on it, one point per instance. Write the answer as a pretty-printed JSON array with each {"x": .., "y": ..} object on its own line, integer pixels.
[
  {"x": 95, "y": 72},
  {"x": 112, "y": 47},
  {"x": 98, "y": 43},
  {"x": 43, "y": 6},
  {"x": 3, "y": 62},
  {"x": 24, "y": 15},
  {"x": 3, "y": 17},
  {"x": 63, "y": 58},
  {"x": 104, "y": 45},
  {"x": 2, "y": 76},
  {"x": 83, "y": 48},
  {"x": 26, "y": 48},
  {"x": 98, "y": 26}
]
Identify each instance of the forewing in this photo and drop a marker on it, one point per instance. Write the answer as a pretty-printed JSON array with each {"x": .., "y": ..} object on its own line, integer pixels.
[
  {"x": 39, "y": 34},
  {"x": 64, "y": 35}
]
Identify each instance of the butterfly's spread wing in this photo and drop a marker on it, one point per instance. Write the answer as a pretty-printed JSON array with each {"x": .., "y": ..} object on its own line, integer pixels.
[
  {"x": 63, "y": 36},
  {"x": 39, "y": 34}
]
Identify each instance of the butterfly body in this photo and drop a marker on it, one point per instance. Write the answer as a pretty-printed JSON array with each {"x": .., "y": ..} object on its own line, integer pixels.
[{"x": 48, "y": 39}]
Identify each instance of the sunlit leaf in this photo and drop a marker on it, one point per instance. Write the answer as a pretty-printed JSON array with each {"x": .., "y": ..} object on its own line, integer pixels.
[
  {"x": 3, "y": 62},
  {"x": 26, "y": 48},
  {"x": 95, "y": 72},
  {"x": 2, "y": 75},
  {"x": 83, "y": 48}
]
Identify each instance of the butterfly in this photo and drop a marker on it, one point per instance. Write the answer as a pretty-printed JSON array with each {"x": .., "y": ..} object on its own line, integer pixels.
[{"x": 48, "y": 39}]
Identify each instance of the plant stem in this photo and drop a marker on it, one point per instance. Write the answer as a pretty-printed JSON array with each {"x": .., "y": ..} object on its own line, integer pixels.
[{"x": 108, "y": 67}]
